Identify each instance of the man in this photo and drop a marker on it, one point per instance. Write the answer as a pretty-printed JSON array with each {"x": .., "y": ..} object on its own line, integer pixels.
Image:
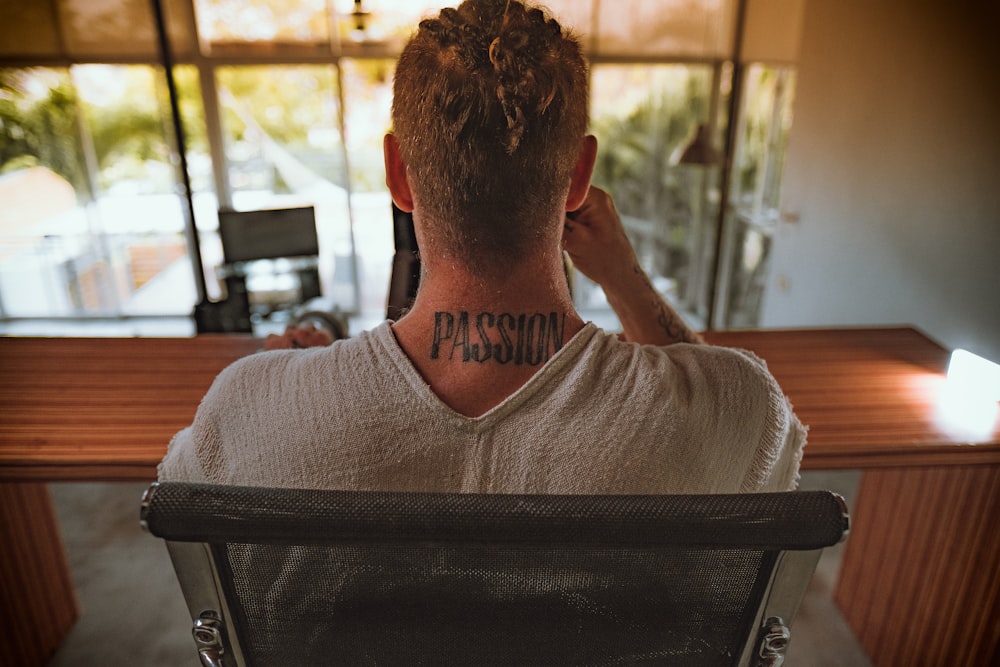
[{"x": 492, "y": 382}]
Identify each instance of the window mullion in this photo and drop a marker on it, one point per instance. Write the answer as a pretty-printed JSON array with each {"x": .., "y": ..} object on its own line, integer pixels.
[
  {"x": 213, "y": 129},
  {"x": 342, "y": 126}
]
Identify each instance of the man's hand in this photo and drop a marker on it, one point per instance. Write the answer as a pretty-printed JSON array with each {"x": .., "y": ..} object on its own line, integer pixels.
[
  {"x": 294, "y": 337},
  {"x": 595, "y": 239}
]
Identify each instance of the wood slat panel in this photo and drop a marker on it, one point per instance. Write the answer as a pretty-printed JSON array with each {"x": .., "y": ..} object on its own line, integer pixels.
[
  {"x": 930, "y": 556},
  {"x": 919, "y": 582},
  {"x": 869, "y": 396},
  {"x": 37, "y": 602},
  {"x": 89, "y": 408}
]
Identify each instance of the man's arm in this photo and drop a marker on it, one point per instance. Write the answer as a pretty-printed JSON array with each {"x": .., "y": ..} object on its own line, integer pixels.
[{"x": 595, "y": 240}]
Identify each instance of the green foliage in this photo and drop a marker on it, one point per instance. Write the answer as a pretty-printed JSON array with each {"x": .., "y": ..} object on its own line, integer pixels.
[
  {"x": 20, "y": 162},
  {"x": 43, "y": 129},
  {"x": 635, "y": 164},
  {"x": 136, "y": 128},
  {"x": 295, "y": 107},
  {"x": 285, "y": 102},
  {"x": 126, "y": 131},
  {"x": 190, "y": 104},
  {"x": 634, "y": 160},
  {"x": 766, "y": 118},
  {"x": 40, "y": 130}
]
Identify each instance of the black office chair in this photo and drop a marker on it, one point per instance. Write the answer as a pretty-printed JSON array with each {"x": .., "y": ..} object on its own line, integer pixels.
[
  {"x": 405, "y": 277},
  {"x": 301, "y": 577}
]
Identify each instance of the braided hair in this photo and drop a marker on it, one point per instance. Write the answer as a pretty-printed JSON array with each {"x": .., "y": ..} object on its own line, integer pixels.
[{"x": 490, "y": 109}]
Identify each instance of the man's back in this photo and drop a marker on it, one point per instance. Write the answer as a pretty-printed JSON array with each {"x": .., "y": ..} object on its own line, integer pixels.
[{"x": 601, "y": 416}]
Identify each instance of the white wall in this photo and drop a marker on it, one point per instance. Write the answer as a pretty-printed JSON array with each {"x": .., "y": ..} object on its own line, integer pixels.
[{"x": 893, "y": 169}]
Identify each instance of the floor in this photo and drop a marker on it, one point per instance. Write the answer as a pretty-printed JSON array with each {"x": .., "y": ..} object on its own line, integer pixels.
[{"x": 132, "y": 611}]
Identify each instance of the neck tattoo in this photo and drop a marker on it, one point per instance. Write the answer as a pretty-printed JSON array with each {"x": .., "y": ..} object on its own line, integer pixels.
[{"x": 502, "y": 338}]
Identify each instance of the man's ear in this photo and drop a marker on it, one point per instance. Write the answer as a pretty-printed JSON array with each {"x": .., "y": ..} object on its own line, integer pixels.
[
  {"x": 579, "y": 184},
  {"x": 395, "y": 174}
]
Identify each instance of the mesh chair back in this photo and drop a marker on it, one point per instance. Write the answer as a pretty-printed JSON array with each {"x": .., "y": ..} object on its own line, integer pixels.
[{"x": 332, "y": 577}]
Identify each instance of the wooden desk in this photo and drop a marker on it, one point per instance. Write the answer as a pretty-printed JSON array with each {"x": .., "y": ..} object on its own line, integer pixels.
[
  {"x": 104, "y": 409},
  {"x": 81, "y": 409}
]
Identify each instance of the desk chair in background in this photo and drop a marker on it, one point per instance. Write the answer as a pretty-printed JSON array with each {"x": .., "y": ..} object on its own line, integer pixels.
[
  {"x": 405, "y": 276},
  {"x": 291, "y": 576},
  {"x": 286, "y": 236}
]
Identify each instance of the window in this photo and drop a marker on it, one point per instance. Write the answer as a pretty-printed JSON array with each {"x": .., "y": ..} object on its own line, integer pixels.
[
  {"x": 286, "y": 150},
  {"x": 91, "y": 223},
  {"x": 644, "y": 116},
  {"x": 753, "y": 214},
  {"x": 367, "y": 86},
  {"x": 284, "y": 103}
]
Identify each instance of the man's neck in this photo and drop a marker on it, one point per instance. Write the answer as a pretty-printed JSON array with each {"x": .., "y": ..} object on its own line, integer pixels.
[
  {"x": 476, "y": 340},
  {"x": 530, "y": 289}
]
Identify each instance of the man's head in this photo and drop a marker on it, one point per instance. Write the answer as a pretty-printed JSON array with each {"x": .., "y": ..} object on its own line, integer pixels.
[{"x": 490, "y": 113}]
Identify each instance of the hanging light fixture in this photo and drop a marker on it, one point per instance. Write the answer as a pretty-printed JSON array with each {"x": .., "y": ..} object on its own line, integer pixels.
[
  {"x": 700, "y": 149},
  {"x": 360, "y": 19}
]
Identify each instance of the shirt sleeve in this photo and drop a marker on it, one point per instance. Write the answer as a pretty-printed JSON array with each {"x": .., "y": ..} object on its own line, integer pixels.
[
  {"x": 783, "y": 474},
  {"x": 775, "y": 465},
  {"x": 180, "y": 464},
  {"x": 195, "y": 450}
]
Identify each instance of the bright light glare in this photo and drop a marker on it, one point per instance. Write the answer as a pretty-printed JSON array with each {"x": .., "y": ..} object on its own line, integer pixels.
[
  {"x": 975, "y": 375},
  {"x": 968, "y": 405}
]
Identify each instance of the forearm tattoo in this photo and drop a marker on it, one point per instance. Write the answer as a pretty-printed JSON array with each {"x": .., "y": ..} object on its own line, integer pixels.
[
  {"x": 503, "y": 338},
  {"x": 668, "y": 320}
]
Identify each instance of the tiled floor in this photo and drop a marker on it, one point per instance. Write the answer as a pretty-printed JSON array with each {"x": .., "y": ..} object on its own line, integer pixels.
[{"x": 132, "y": 611}]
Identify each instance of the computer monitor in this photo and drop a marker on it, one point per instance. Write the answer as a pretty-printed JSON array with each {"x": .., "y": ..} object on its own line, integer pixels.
[{"x": 268, "y": 234}]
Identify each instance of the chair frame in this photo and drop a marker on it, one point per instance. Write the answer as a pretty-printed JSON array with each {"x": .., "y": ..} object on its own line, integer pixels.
[{"x": 218, "y": 646}]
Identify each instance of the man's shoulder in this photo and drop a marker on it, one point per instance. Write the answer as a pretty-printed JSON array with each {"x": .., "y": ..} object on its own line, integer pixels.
[
  {"x": 727, "y": 366},
  {"x": 710, "y": 372},
  {"x": 270, "y": 366},
  {"x": 713, "y": 357}
]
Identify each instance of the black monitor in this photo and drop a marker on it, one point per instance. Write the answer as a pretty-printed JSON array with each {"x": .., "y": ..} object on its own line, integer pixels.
[{"x": 268, "y": 234}]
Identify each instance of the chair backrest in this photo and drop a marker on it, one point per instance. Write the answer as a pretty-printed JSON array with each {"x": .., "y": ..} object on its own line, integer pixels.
[
  {"x": 405, "y": 276},
  {"x": 289, "y": 576}
]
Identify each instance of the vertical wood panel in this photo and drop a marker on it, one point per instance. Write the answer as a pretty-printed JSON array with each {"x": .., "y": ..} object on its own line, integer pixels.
[
  {"x": 849, "y": 579},
  {"x": 37, "y": 603},
  {"x": 932, "y": 557},
  {"x": 898, "y": 608},
  {"x": 919, "y": 585},
  {"x": 988, "y": 624},
  {"x": 964, "y": 574},
  {"x": 870, "y": 520},
  {"x": 980, "y": 568}
]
